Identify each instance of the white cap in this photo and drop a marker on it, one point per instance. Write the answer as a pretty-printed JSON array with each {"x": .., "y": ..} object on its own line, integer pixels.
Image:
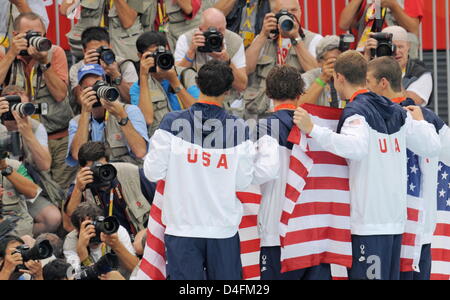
[{"x": 400, "y": 33}]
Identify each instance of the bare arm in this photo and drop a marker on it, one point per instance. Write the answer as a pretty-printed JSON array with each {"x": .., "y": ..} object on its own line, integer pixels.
[
  {"x": 240, "y": 78},
  {"x": 186, "y": 6},
  {"x": 82, "y": 135},
  {"x": 253, "y": 52},
  {"x": 127, "y": 15},
  {"x": 23, "y": 186},
  {"x": 348, "y": 15},
  {"x": 409, "y": 23},
  {"x": 145, "y": 99},
  {"x": 305, "y": 59},
  {"x": 21, "y": 5},
  {"x": 226, "y": 6}
]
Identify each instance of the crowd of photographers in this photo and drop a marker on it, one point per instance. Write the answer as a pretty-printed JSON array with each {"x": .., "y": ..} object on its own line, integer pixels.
[{"x": 73, "y": 140}]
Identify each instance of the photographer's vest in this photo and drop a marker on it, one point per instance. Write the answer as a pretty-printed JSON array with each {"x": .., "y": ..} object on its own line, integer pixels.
[
  {"x": 138, "y": 208},
  {"x": 123, "y": 41},
  {"x": 14, "y": 204},
  {"x": 116, "y": 140},
  {"x": 58, "y": 112},
  {"x": 414, "y": 70},
  {"x": 257, "y": 104},
  {"x": 160, "y": 104},
  {"x": 233, "y": 43}
]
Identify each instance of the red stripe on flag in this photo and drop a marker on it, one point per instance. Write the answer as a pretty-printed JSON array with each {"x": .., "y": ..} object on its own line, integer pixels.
[
  {"x": 296, "y": 166},
  {"x": 285, "y": 217},
  {"x": 156, "y": 214},
  {"x": 326, "y": 158},
  {"x": 317, "y": 234},
  {"x": 321, "y": 208},
  {"x": 409, "y": 239},
  {"x": 406, "y": 265},
  {"x": 160, "y": 187},
  {"x": 294, "y": 136},
  {"x": 151, "y": 271},
  {"x": 251, "y": 271},
  {"x": 298, "y": 263},
  {"x": 440, "y": 255},
  {"x": 249, "y": 221},
  {"x": 291, "y": 193},
  {"x": 440, "y": 277},
  {"x": 250, "y": 246},
  {"x": 249, "y": 198},
  {"x": 323, "y": 112},
  {"x": 156, "y": 244},
  {"x": 413, "y": 214},
  {"x": 442, "y": 230},
  {"x": 327, "y": 183}
]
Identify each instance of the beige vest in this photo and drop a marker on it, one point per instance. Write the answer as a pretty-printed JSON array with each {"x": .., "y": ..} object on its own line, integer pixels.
[
  {"x": 138, "y": 208},
  {"x": 257, "y": 104},
  {"x": 123, "y": 40},
  {"x": 160, "y": 104},
  {"x": 58, "y": 112}
]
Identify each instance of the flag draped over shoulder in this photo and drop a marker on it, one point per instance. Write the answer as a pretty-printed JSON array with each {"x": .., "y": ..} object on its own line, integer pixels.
[
  {"x": 153, "y": 264},
  {"x": 315, "y": 223},
  {"x": 440, "y": 247}
]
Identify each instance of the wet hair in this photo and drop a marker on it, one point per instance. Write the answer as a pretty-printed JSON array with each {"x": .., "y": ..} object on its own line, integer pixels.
[
  {"x": 389, "y": 68},
  {"x": 215, "y": 78},
  {"x": 284, "y": 83},
  {"x": 353, "y": 66}
]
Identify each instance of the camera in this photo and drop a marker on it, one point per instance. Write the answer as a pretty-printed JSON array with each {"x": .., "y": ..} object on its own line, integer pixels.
[
  {"x": 105, "y": 91},
  {"x": 106, "y": 264},
  {"x": 10, "y": 142},
  {"x": 103, "y": 175},
  {"x": 385, "y": 45},
  {"x": 106, "y": 54},
  {"x": 345, "y": 42},
  {"x": 213, "y": 41},
  {"x": 40, "y": 251},
  {"x": 24, "y": 109},
  {"x": 37, "y": 41},
  {"x": 163, "y": 59},
  {"x": 286, "y": 20},
  {"x": 108, "y": 225}
]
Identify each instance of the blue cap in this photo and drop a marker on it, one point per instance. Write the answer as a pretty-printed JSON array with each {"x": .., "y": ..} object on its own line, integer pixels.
[{"x": 93, "y": 69}]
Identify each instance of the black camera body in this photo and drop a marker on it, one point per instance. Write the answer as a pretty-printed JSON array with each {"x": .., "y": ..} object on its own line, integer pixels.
[
  {"x": 163, "y": 59},
  {"x": 345, "y": 42},
  {"x": 37, "y": 41},
  {"x": 24, "y": 109},
  {"x": 213, "y": 41},
  {"x": 107, "y": 55},
  {"x": 105, "y": 91},
  {"x": 10, "y": 143},
  {"x": 108, "y": 225},
  {"x": 385, "y": 45},
  {"x": 40, "y": 251},
  {"x": 286, "y": 20},
  {"x": 103, "y": 175},
  {"x": 105, "y": 264}
]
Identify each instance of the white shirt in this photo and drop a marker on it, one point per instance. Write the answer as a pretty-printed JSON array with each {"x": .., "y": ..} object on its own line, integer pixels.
[
  {"x": 183, "y": 47},
  {"x": 423, "y": 87}
]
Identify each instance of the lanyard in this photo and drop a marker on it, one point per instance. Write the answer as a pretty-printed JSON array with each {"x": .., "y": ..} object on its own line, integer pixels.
[
  {"x": 104, "y": 22},
  {"x": 282, "y": 57}
]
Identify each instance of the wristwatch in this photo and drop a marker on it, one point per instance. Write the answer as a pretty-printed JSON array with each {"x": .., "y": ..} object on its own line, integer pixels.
[
  {"x": 44, "y": 68},
  {"x": 7, "y": 172},
  {"x": 296, "y": 41},
  {"x": 178, "y": 89},
  {"x": 117, "y": 81},
  {"x": 124, "y": 121}
]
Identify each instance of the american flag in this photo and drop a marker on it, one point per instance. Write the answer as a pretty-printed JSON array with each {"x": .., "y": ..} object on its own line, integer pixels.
[
  {"x": 153, "y": 263},
  {"x": 411, "y": 247},
  {"x": 315, "y": 223},
  {"x": 441, "y": 240}
]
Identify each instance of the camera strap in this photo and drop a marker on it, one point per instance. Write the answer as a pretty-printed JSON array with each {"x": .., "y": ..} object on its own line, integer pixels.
[
  {"x": 282, "y": 55},
  {"x": 374, "y": 20}
]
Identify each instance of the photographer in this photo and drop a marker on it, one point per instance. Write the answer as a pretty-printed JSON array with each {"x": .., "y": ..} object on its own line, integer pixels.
[
  {"x": 131, "y": 193},
  {"x": 417, "y": 80},
  {"x": 56, "y": 270},
  {"x": 36, "y": 159},
  {"x": 317, "y": 81},
  {"x": 122, "y": 126},
  {"x": 10, "y": 260},
  {"x": 44, "y": 76},
  {"x": 360, "y": 15},
  {"x": 96, "y": 49},
  {"x": 160, "y": 91},
  {"x": 187, "y": 53},
  {"x": 275, "y": 46},
  {"x": 124, "y": 20},
  {"x": 81, "y": 249}
]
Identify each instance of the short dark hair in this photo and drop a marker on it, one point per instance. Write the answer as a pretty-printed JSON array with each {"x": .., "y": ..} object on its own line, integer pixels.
[
  {"x": 55, "y": 241},
  {"x": 29, "y": 16},
  {"x": 4, "y": 242},
  {"x": 56, "y": 270},
  {"x": 93, "y": 151},
  {"x": 83, "y": 211},
  {"x": 149, "y": 39},
  {"x": 284, "y": 83},
  {"x": 215, "y": 78},
  {"x": 353, "y": 66},
  {"x": 387, "y": 67},
  {"x": 98, "y": 34}
]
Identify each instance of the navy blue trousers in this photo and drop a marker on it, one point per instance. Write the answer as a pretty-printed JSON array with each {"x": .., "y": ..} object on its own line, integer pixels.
[
  {"x": 271, "y": 268},
  {"x": 424, "y": 265},
  {"x": 376, "y": 257},
  {"x": 203, "y": 259}
]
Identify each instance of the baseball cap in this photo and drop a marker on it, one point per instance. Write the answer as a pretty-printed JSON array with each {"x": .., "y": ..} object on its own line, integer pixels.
[
  {"x": 328, "y": 43},
  {"x": 93, "y": 69}
]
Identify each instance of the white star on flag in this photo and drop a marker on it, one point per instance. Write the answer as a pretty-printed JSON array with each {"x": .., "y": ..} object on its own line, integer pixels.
[
  {"x": 412, "y": 187},
  {"x": 414, "y": 169},
  {"x": 442, "y": 193},
  {"x": 440, "y": 167},
  {"x": 448, "y": 202},
  {"x": 444, "y": 176}
]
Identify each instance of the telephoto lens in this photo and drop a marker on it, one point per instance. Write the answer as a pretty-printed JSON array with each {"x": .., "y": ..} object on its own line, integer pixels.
[
  {"x": 37, "y": 41},
  {"x": 385, "y": 45},
  {"x": 286, "y": 21},
  {"x": 105, "y": 91},
  {"x": 106, "y": 264},
  {"x": 108, "y": 225},
  {"x": 24, "y": 109},
  {"x": 40, "y": 251}
]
